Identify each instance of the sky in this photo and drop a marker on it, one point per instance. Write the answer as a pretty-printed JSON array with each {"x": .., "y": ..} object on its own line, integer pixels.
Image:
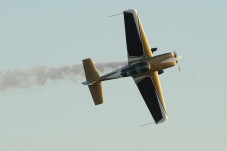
[{"x": 60, "y": 115}]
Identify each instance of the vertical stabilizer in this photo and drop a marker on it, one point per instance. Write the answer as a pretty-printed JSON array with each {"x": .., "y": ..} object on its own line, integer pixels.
[{"x": 92, "y": 77}]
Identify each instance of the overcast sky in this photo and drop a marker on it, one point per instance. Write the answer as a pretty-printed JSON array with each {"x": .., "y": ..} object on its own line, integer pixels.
[{"x": 59, "y": 115}]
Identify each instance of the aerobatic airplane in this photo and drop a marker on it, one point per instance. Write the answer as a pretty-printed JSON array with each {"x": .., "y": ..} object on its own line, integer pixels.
[{"x": 142, "y": 66}]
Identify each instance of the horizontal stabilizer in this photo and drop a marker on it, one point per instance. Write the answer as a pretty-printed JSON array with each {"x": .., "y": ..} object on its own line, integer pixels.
[
  {"x": 96, "y": 92},
  {"x": 92, "y": 77}
]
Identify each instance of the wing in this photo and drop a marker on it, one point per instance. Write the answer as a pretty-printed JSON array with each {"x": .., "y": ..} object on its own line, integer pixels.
[
  {"x": 137, "y": 44},
  {"x": 150, "y": 89}
]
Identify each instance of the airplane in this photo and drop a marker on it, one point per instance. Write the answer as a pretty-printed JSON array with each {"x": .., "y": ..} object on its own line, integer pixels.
[{"x": 142, "y": 66}]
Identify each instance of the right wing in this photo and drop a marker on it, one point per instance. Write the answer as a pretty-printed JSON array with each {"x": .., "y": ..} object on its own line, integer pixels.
[
  {"x": 137, "y": 44},
  {"x": 152, "y": 95}
]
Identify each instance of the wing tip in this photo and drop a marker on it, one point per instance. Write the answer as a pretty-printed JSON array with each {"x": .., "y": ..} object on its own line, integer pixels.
[
  {"x": 165, "y": 117},
  {"x": 133, "y": 11}
]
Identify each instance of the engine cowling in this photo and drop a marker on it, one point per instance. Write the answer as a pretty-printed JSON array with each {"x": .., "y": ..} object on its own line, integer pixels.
[{"x": 154, "y": 49}]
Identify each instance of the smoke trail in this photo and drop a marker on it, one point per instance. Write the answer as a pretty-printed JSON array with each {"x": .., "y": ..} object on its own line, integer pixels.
[{"x": 40, "y": 75}]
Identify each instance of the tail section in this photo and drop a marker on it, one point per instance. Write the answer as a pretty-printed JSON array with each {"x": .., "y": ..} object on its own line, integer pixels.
[{"x": 93, "y": 82}]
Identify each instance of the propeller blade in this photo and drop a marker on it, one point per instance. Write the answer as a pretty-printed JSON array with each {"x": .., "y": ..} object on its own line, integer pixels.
[
  {"x": 178, "y": 58},
  {"x": 178, "y": 66}
]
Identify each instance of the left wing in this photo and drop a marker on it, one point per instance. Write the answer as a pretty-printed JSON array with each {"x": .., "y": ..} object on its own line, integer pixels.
[
  {"x": 136, "y": 40},
  {"x": 150, "y": 89}
]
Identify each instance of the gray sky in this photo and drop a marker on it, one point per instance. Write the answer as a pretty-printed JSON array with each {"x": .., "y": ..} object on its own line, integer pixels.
[{"x": 60, "y": 115}]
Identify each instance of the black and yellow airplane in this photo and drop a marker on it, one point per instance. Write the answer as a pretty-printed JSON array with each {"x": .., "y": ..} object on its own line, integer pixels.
[{"x": 142, "y": 66}]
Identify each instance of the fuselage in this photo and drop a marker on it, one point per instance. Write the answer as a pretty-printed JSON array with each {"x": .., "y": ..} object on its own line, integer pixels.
[{"x": 144, "y": 66}]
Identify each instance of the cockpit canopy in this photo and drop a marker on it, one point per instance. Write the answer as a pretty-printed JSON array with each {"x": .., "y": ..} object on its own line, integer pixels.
[{"x": 137, "y": 68}]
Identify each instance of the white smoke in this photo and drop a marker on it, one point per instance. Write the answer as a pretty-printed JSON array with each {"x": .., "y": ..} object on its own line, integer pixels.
[{"x": 12, "y": 79}]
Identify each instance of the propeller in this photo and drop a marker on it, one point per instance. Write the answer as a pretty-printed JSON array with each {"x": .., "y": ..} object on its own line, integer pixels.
[{"x": 177, "y": 59}]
